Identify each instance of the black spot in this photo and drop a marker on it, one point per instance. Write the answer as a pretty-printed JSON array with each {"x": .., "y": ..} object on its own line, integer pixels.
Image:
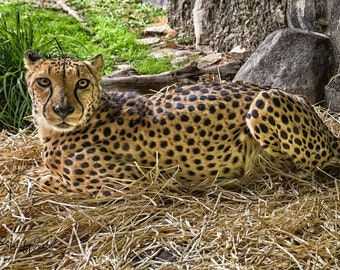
[
  {"x": 259, "y": 104},
  {"x": 177, "y": 138},
  {"x": 297, "y": 150},
  {"x": 202, "y": 133},
  {"x": 184, "y": 118},
  {"x": 170, "y": 153},
  {"x": 212, "y": 109},
  {"x": 190, "y": 129},
  {"x": 235, "y": 160},
  {"x": 152, "y": 144},
  {"x": 263, "y": 128},
  {"x": 166, "y": 131},
  {"x": 284, "y": 119},
  {"x": 178, "y": 127},
  {"x": 192, "y": 97},
  {"x": 84, "y": 165},
  {"x": 221, "y": 106},
  {"x": 284, "y": 134},
  {"x": 191, "y": 141},
  {"x": 95, "y": 158},
  {"x": 201, "y": 107},
  {"x": 78, "y": 171},
  {"x": 179, "y": 148},
  {"x": 168, "y": 105},
  {"x": 212, "y": 97},
  {"x": 68, "y": 162},
  {"x": 180, "y": 106},
  {"x": 232, "y": 116},
  {"x": 164, "y": 144},
  {"x": 107, "y": 132},
  {"x": 171, "y": 116},
  {"x": 191, "y": 108},
  {"x": 86, "y": 144},
  {"x": 218, "y": 127},
  {"x": 120, "y": 121},
  {"x": 152, "y": 133},
  {"x": 297, "y": 118},
  {"x": 116, "y": 145},
  {"x": 196, "y": 150},
  {"x": 207, "y": 122},
  {"x": 227, "y": 157},
  {"x": 80, "y": 156},
  {"x": 276, "y": 102},
  {"x": 265, "y": 95},
  {"x": 235, "y": 104},
  {"x": 254, "y": 113},
  {"x": 126, "y": 147},
  {"x": 285, "y": 146}
]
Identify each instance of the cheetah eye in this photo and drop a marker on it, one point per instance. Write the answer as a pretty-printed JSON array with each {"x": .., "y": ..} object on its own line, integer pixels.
[
  {"x": 44, "y": 82},
  {"x": 83, "y": 83}
]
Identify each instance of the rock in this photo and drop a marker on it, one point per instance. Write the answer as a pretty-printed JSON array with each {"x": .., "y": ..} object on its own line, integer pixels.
[
  {"x": 239, "y": 53},
  {"x": 297, "y": 61},
  {"x": 179, "y": 60},
  {"x": 158, "y": 3},
  {"x": 160, "y": 53},
  {"x": 155, "y": 30},
  {"x": 181, "y": 53},
  {"x": 332, "y": 94},
  {"x": 210, "y": 59},
  {"x": 148, "y": 41}
]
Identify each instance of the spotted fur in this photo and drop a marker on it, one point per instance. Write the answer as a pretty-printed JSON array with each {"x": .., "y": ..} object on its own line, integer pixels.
[{"x": 93, "y": 138}]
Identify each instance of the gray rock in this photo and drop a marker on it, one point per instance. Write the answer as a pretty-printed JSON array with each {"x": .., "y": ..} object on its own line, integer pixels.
[
  {"x": 160, "y": 53},
  {"x": 155, "y": 30},
  {"x": 297, "y": 61},
  {"x": 179, "y": 60},
  {"x": 148, "y": 41},
  {"x": 239, "y": 53},
  {"x": 210, "y": 59},
  {"x": 332, "y": 94}
]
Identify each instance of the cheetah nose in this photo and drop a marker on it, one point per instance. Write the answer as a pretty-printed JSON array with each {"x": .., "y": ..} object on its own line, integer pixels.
[{"x": 63, "y": 110}]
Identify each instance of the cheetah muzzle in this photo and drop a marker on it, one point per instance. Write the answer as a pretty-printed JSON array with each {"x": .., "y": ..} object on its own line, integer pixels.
[{"x": 212, "y": 131}]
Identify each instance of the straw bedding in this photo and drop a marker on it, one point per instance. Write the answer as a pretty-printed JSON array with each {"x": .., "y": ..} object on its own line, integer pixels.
[{"x": 276, "y": 221}]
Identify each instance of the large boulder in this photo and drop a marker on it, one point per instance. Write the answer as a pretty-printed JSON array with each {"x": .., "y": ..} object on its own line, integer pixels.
[
  {"x": 298, "y": 61},
  {"x": 332, "y": 94}
]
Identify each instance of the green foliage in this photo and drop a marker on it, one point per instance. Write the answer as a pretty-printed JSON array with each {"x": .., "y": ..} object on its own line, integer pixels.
[
  {"x": 134, "y": 13},
  {"x": 151, "y": 65},
  {"x": 14, "y": 101}
]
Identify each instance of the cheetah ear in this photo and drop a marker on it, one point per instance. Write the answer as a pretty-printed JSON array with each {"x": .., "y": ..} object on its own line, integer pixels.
[
  {"x": 30, "y": 59},
  {"x": 97, "y": 63}
]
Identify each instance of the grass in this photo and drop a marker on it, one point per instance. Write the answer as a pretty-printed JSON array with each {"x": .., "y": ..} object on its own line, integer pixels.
[{"x": 111, "y": 27}]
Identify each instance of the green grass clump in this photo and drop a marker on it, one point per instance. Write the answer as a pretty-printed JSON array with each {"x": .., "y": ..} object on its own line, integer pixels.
[{"x": 14, "y": 101}]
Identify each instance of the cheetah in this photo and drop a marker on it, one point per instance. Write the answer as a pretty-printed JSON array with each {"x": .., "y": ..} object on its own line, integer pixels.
[{"x": 93, "y": 138}]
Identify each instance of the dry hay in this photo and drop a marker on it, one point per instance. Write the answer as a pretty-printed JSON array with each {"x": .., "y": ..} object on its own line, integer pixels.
[{"x": 274, "y": 222}]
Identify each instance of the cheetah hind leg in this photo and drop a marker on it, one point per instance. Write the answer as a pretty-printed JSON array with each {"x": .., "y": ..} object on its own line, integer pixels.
[
  {"x": 43, "y": 180},
  {"x": 289, "y": 130}
]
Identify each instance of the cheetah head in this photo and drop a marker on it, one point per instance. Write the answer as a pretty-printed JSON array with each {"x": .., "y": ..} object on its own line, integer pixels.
[{"x": 64, "y": 91}]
